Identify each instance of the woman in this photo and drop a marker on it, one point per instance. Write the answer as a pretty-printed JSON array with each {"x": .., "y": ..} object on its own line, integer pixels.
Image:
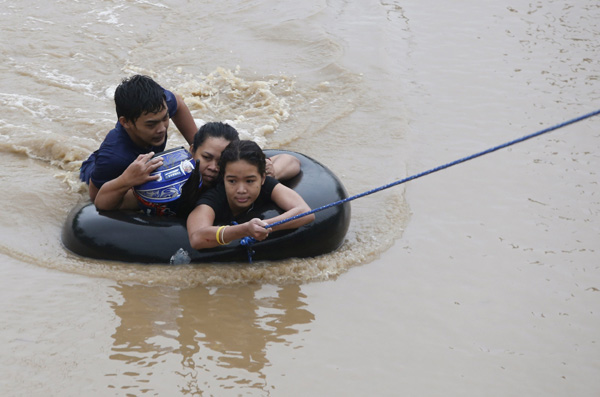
[
  {"x": 243, "y": 185},
  {"x": 209, "y": 141},
  {"x": 212, "y": 138}
]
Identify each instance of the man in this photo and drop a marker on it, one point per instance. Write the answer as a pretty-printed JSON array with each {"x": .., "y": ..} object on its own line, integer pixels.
[{"x": 143, "y": 110}]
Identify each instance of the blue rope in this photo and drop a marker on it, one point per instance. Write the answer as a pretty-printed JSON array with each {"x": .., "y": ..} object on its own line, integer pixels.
[{"x": 248, "y": 241}]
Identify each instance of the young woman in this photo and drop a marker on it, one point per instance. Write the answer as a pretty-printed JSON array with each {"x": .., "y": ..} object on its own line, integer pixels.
[{"x": 243, "y": 185}]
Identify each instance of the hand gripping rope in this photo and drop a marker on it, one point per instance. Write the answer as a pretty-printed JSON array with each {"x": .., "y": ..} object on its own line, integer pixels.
[{"x": 249, "y": 241}]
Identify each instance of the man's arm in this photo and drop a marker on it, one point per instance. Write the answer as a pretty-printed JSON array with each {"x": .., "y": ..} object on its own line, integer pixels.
[
  {"x": 116, "y": 194},
  {"x": 184, "y": 121},
  {"x": 92, "y": 190}
]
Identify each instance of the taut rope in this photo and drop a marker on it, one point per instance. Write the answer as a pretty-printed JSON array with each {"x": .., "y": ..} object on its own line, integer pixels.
[{"x": 248, "y": 241}]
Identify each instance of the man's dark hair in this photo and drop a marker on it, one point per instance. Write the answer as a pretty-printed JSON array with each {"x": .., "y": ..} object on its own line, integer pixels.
[{"x": 138, "y": 95}]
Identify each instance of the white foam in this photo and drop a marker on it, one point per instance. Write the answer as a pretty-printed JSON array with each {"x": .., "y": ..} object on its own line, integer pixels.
[
  {"x": 40, "y": 20},
  {"x": 160, "y": 5},
  {"x": 108, "y": 16}
]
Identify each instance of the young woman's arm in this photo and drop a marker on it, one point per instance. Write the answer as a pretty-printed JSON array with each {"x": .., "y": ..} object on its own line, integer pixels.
[
  {"x": 293, "y": 204},
  {"x": 203, "y": 234}
]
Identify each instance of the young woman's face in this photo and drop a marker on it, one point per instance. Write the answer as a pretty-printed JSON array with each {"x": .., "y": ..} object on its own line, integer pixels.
[
  {"x": 209, "y": 154},
  {"x": 242, "y": 185}
]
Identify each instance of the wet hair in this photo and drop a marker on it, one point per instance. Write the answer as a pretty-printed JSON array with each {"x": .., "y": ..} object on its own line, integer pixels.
[
  {"x": 190, "y": 192},
  {"x": 248, "y": 151},
  {"x": 215, "y": 129},
  {"x": 138, "y": 95}
]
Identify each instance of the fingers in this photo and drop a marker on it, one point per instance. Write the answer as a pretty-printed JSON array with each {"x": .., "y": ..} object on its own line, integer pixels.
[
  {"x": 258, "y": 229},
  {"x": 145, "y": 157},
  {"x": 155, "y": 163},
  {"x": 149, "y": 164},
  {"x": 139, "y": 171}
]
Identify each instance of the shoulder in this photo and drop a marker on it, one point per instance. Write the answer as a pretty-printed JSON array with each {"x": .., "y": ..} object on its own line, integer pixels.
[
  {"x": 266, "y": 191},
  {"x": 118, "y": 146},
  {"x": 213, "y": 197},
  {"x": 269, "y": 185},
  {"x": 115, "y": 154},
  {"x": 171, "y": 102},
  {"x": 216, "y": 199},
  {"x": 116, "y": 136}
]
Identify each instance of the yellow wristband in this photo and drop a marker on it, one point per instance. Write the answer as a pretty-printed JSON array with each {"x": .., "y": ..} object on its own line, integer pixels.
[{"x": 217, "y": 236}]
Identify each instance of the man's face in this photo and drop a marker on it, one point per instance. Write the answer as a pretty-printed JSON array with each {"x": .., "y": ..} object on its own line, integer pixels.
[{"x": 150, "y": 129}]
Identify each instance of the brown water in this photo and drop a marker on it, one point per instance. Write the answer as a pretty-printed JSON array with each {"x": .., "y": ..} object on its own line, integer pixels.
[{"x": 482, "y": 279}]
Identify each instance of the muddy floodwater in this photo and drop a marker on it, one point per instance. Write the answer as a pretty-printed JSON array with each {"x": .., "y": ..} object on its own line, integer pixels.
[{"x": 480, "y": 279}]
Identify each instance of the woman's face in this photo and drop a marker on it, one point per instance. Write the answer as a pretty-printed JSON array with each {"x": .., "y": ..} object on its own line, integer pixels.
[
  {"x": 208, "y": 154},
  {"x": 242, "y": 185}
]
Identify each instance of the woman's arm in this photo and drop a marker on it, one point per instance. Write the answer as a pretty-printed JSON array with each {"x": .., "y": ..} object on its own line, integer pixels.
[
  {"x": 203, "y": 234},
  {"x": 283, "y": 166},
  {"x": 293, "y": 204}
]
